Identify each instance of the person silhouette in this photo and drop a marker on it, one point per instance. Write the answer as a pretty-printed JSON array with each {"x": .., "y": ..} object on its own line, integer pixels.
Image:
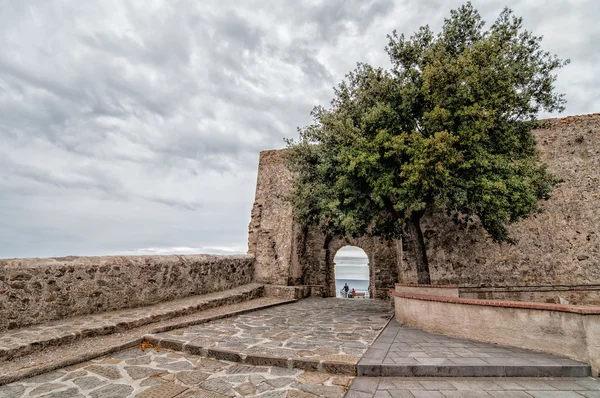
[{"x": 345, "y": 289}]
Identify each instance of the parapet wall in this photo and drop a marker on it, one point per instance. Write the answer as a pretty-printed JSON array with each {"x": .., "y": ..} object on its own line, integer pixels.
[
  {"x": 566, "y": 330},
  {"x": 33, "y": 291},
  {"x": 575, "y": 295}
]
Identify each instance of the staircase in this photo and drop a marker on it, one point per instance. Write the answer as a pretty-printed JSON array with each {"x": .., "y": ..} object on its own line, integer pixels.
[{"x": 39, "y": 348}]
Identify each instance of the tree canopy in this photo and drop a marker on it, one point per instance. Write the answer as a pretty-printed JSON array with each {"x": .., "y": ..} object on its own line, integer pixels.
[{"x": 447, "y": 128}]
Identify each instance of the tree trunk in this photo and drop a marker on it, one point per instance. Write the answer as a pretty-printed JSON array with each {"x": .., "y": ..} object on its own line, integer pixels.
[{"x": 417, "y": 245}]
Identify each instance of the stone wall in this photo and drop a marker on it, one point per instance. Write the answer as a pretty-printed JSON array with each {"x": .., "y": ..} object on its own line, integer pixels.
[
  {"x": 564, "y": 330},
  {"x": 39, "y": 290},
  {"x": 588, "y": 295},
  {"x": 289, "y": 254},
  {"x": 559, "y": 246},
  {"x": 576, "y": 295},
  {"x": 271, "y": 230},
  {"x": 430, "y": 290}
]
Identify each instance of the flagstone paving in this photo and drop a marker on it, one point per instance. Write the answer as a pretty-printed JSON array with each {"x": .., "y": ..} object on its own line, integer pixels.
[
  {"x": 165, "y": 374},
  {"x": 404, "y": 351},
  {"x": 54, "y": 357},
  {"x": 465, "y": 387},
  {"x": 313, "y": 327},
  {"x": 311, "y": 334}
]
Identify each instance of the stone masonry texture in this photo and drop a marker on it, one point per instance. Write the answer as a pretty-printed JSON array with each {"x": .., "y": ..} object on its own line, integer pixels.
[
  {"x": 559, "y": 246},
  {"x": 33, "y": 291},
  {"x": 271, "y": 230},
  {"x": 288, "y": 253},
  {"x": 153, "y": 373}
]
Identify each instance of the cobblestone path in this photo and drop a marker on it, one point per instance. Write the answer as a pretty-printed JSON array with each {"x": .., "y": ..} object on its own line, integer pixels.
[
  {"x": 165, "y": 374},
  {"x": 318, "y": 329}
]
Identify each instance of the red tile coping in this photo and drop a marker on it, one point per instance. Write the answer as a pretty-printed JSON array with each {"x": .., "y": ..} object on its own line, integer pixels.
[
  {"x": 577, "y": 309},
  {"x": 425, "y": 285},
  {"x": 529, "y": 289}
]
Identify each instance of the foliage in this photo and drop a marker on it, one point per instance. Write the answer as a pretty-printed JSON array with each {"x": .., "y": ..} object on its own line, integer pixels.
[{"x": 447, "y": 128}]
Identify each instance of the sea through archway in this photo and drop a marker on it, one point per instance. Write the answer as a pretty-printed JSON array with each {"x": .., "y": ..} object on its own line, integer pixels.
[{"x": 351, "y": 267}]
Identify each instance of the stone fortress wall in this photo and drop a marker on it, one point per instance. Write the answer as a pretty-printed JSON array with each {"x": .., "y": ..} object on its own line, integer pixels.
[
  {"x": 33, "y": 291},
  {"x": 559, "y": 246},
  {"x": 288, "y": 253}
]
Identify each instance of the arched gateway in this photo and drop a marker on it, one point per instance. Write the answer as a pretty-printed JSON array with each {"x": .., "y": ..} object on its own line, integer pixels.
[
  {"x": 290, "y": 254},
  {"x": 351, "y": 268}
]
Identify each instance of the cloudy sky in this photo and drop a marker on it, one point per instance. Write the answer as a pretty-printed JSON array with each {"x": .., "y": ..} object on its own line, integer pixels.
[{"x": 135, "y": 126}]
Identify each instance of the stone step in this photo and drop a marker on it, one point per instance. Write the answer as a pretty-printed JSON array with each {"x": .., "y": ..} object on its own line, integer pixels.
[
  {"x": 401, "y": 351},
  {"x": 19, "y": 342},
  {"x": 315, "y": 334},
  {"x": 80, "y": 350},
  {"x": 508, "y": 387},
  {"x": 152, "y": 373}
]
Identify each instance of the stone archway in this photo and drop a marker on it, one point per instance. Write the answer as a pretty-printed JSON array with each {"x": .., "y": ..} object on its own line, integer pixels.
[
  {"x": 333, "y": 246},
  {"x": 383, "y": 263},
  {"x": 363, "y": 265},
  {"x": 290, "y": 254}
]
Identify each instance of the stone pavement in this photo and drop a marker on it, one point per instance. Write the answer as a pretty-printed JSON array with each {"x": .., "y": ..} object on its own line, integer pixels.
[
  {"x": 22, "y": 341},
  {"x": 313, "y": 330},
  {"x": 405, "y": 351},
  {"x": 166, "y": 374},
  {"x": 460, "y": 387},
  {"x": 312, "y": 334},
  {"x": 54, "y": 357}
]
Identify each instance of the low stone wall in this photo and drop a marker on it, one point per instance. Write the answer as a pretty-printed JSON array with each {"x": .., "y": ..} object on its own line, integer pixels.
[
  {"x": 431, "y": 290},
  {"x": 33, "y": 291},
  {"x": 566, "y": 330},
  {"x": 290, "y": 292},
  {"x": 576, "y": 295}
]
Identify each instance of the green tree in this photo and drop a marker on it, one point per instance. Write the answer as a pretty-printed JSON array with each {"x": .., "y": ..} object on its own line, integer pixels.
[{"x": 448, "y": 128}]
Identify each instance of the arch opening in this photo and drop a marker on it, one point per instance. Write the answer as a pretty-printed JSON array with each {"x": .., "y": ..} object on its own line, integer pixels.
[{"x": 351, "y": 268}]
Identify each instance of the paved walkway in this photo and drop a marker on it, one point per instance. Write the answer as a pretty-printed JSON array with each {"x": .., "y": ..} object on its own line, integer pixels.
[
  {"x": 166, "y": 374},
  {"x": 404, "y": 351},
  {"x": 312, "y": 328},
  {"x": 79, "y": 350},
  {"x": 22, "y": 341},
  {"x": 310, "y": 334},
  {"x": 484, "y": 387}
]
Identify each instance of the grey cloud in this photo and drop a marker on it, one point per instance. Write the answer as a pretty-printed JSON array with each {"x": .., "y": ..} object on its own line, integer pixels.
[
  {"x": 333, "y": 17},
  {"x": 174, "y": 202},
  {"x": 235, "y": 32},
  {"x": 36, "y": 174}
]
